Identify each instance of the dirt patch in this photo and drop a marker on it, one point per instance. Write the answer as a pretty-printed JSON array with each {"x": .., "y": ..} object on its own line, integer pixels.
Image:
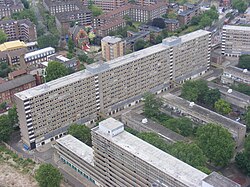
[{"x": 9, "y": 177}]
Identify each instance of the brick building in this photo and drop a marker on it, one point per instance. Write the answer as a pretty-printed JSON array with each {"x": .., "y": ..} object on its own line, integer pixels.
[
  {"x": 185, "y": 16},
  {"x": 9, "y": 88},
  {"x": 23, "y": 30},
  {"x": 8, "y": 7}
]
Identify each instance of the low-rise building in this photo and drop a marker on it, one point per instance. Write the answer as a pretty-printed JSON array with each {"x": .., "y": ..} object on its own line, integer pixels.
[
  {"x": 185, "y": 16},
  {"x": 152, "y": 29},
  {"x": 23, "y": 30},
  {"x": 232, "y": 96},
  {"x": 172, "y": 24},
  {"x": 135, "y": 36},
  {"x": 9, "y": 88},
  {"x": 64, "y": 20},
  {"x": 140, "y": 123},
  {"x": 68, "y": 63},
  {"x": 235, "y": 40},
  {"x": 40, "y": 55},
  {"x": 17, "y": 73},
  {"x": 202, "y": 115},
  {"x": 8, "y": 7},
  {"x": 12, "y": 52},
  {"x": 232, "y": 74},
  {"x": 112, "y": 47}
]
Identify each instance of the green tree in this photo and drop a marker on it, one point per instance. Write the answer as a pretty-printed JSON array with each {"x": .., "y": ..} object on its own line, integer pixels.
[
  {"x": 172, "y": 15},
  {"x": 3, "y": 106},
  {"x": 240, "y": 5},
  {"x": 25, "y": 14},
  {"x": 243, "y": 159},
  {"x": 83, "y": 57},
  {"x": 96, "y": 11},
  {"x": 152, "y": 105},
  {"x": 211, "y": 96},
  {"x": 55, "y": 70},
  {"x": 216, "y": 142},
  {"x": 244, "y": 62},
  {"x": 3, "y": 37},
  {"x": 194, "y": 90},
  {"x": 6, "y": 128},
  {"x": 26, "y": 4},
  {"x": 247, "y": 118},
  {"x": 81, "y": 132},
  {"x": 222, "y": 107},
  {"x": 139, "y": 44},
  {"x": 205, "y": 21},
  {"x": 243, "y": 88},
  {"x": 48, "y": 41},
  {"x": 4, "y": 69},
  {"x": 183, "y": 125},
  {"x": 159, "y": 22},
  {"x": 195, "y": 20},
  {"x": 12, "y": 114},
  {"x": 71, "y": 45},
  {"x": 48, "y": 176},
  {"x": 188, "y": 153}
]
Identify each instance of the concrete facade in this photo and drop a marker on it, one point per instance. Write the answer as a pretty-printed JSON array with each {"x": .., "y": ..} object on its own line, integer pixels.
[
  {"x": 233, "y": 75},
  {"x": 110, "y": 87},
  {"x": 235, "y": 40}
]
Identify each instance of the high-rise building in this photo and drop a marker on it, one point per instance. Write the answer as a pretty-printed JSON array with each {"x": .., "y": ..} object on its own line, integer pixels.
[
  {"x": 120, "y": 159},
  {"x": 46, "y": 111},
  {"x": 235, "y": 40},
  {"x": 112, "y": 47}
]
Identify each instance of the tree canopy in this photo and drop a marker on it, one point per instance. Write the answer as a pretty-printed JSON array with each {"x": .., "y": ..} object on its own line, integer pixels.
[
  {"x": 140, "y": 44},
  {"x": 242, "y": 159},
  {"x": 25, "y": 14},
  {"x": 26, "y": 4},
  {"x": 198, "y": 92},
  {"x": 243, "y": 88},
  {"x": 159, "y": 22},
  {"x": 81, "y": 132},
  {"x": 244, "y": 62},
  {"x": 71, "y": 45},
  {"x": 223, "y": 107},
  {"x": 247, "y": 118},
  {"x": 216, "y": 142},
  {"x": 48, "y": 41},
  {"x": 55, "y": 70},
  {"x": 48, "y": 176},
  {"x": 3, "y": 37},
  {"x": 240, "y": 5},
  {"x": 12, "y": 114},
  {"x": 6, "y": 128},
  {"x": 96, "y": 11},
  {"x": 4, "y": 69},
  {"x": 152, "y": 105}
]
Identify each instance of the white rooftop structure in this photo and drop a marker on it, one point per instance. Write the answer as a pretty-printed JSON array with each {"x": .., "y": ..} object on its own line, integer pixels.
[
  {"x": 38, "y": 52},
  {"x": 111, "y": 39},
  {"x": 152, "y": 155},
  {"x": 78, "y": 148},
  {"x": 233, "y": 27},
  {"x": 62, "y": 58}
]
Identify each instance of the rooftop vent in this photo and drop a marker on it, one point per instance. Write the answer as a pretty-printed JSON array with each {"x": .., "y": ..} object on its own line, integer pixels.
[
  {"x": 191, "y": 104},
  {"x": 229, "y": 91},
  {"x": 244, "y": 70},
  {"x": 145, "y": 120}
]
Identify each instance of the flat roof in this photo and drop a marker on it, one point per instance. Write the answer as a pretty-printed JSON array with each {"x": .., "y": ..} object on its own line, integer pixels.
[
  {"x": 40, "y": 51},
  {"x": 218, "y": 180},
  {"x": 111, "y": 123},
  {"x": 78, "y": 148},
  {"x": 52, "y": 85},
  {"x": 203, "y": 113},
  {"x": 156, "y": 157},
  {"x": 235, "y": 94},
  {"x": 234, "y": 27},
  {"x": 155, "y": 127},
  {"x": 240, "y": 72},
  {"x": 12, "y": 45},
  {"x": 111, "y": 39}
]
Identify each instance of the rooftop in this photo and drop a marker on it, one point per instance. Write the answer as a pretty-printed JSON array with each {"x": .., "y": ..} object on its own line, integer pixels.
[
  {"x": 78, "y": 148},
  {"x": 161, "y": 130},
  {"x": 203, "y": 113},
  {"x": 68, "y": 16},
  {"x": 12, "y": 45},
  {"x": 22, "y": 21},
  {"x": 111, "y": 39},
  {"x": 52, "y": 85},
  {"x": 234, "y": 27},
  {"x": 238, "y": 71},
  {"x": 38, "y": 52},
  {"x": 224, "y": 90},
  {"x": 155, "y": 157},
  {"x": 16, "y": 82},
  {"x": 218, "y": 180}
]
